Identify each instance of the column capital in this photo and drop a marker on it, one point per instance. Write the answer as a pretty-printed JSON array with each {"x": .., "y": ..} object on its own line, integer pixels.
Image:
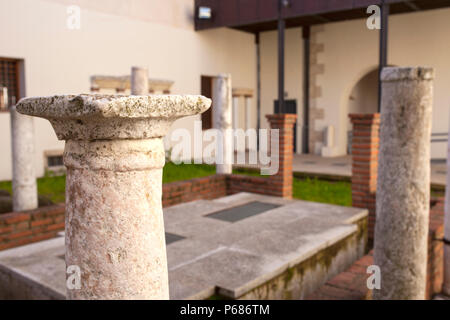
[{"x": 112, "y": 117}]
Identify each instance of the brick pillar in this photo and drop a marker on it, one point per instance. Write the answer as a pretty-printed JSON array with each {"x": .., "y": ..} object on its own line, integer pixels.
[
  {"x": 365, "y": 163},
  {"x": 282, "y": 180}
]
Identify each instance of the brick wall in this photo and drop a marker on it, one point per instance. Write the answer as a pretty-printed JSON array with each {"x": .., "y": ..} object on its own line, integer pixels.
[
  {"x": 20, "y": 228},
  {"x": 365, "y": 145},
  {"x": 352, "y": 283},
  {"x": 282, "y": 181},
  {"x": 435, "y": 268},
  {"x": 210, "y": 187}
]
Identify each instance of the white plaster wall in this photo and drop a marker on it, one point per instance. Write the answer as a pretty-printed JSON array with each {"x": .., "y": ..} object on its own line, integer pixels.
[
  {"x": 293, "y": 75},
  {"x": 60, "y": 61},
  {"x": 351, "y": 51}
]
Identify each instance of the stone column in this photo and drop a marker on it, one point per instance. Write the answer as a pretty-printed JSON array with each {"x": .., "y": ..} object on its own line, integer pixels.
[
  {"x": 139, "y": 81},
  {"x": 114, "y": 156},
  {"x": 25, "y": 196},
  {"x": 248, "y": 108},
  {"x": 235, "y": 112},
  {"x": 446, "y": 284},
  {"x": 403, "y": 191},
  {"x": 222, "y": 120}
]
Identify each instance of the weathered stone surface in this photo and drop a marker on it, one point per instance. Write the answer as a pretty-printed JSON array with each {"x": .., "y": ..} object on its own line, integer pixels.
[
  {"x": 93, "y": 117},
  {"x": 114, "y": 156},
  {"x": 403, "y": 189},
  {"x": 139, "y": 81},
  {"x": 24, "y": 175},
  {"x": 222, "y": 120}
]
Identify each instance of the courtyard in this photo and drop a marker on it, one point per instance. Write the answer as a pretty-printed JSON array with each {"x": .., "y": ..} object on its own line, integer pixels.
[{"x": 250, "y": 150}]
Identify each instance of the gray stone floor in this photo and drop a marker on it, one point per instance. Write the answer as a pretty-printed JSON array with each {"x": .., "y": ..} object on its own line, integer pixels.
[
  {"x": 342, "y": 166},
  {"x": 206, "y": 253}
]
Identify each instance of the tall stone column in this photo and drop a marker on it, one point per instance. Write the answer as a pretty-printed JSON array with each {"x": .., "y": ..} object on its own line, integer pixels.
[
  {"x": 446, "y": 284},
  {"x": 222, "y": 121},
  {"x": 403, "y": 190},
  {"x": 139, "y": 81},
  {"x": 114, "y": 156},
  {"x": 25, "y": 196}
]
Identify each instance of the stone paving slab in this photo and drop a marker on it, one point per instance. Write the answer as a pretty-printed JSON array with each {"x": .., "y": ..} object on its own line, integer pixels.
[{"x": 228, "y": 258}]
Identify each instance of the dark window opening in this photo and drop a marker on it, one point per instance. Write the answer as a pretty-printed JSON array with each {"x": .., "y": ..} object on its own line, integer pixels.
[
  {"x": 55, "y": 161},
  {"x": 9, "y": 83}
]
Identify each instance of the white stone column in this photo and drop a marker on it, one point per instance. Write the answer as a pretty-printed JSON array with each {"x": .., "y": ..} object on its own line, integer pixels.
[
  {"x": 139, "y": 81},
  {"x": 222, "y": 118},
  {"x": 403, "y": 188},
  {"x": 235, "y": 112},
  {"x": 114, "y": 156},
  {"x": 446, "y": 284},
  {"x": 248, "y": 112},
  {"x": 25, "y": 196}
]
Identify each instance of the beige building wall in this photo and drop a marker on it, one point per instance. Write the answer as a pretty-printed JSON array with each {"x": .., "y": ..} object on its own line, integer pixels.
[
  {"x": 344, "y": 53},
  {"x": 110, "y": 41},
  {"x": 351, "y": 52},
  {"x": 117, "y": 34},
  {"x": 293, "y": 75}
]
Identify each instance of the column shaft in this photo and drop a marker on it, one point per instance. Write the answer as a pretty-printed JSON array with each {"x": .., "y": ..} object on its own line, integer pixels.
[
  {"x": 139, "y": 81},
  {"x": 120, "y": 219},
  {"x": 403, "y": 190},
  {"x": 24, "y": 175},
  {"x": 248, "y": 107},
  {"x": 222, "y": 115}
]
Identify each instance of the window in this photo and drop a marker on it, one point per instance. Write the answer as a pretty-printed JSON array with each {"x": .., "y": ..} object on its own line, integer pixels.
[
  {"x": 9, "y": 82},
  {"x": 53, "y": 161}
]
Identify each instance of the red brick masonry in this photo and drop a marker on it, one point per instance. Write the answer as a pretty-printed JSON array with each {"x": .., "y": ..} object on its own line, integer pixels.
[
  {"x": 365, "y": 143},
  {"x": 352, "y": 283},
  {"x": 20, "y": 228}
]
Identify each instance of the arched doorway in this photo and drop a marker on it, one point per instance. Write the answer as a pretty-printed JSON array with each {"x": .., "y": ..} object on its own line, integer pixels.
[{"x": 363, "y": 98}]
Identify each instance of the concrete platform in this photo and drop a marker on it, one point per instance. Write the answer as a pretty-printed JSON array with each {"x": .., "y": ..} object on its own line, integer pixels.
[{"x": 285, "y": 252}]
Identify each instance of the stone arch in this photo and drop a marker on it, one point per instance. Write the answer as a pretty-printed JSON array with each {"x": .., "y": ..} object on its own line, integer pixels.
[{"x": 361, "y": 96}]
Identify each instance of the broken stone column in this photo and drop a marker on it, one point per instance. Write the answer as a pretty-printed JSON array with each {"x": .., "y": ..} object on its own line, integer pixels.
[
  {"x": 446, "y": 284},
  {"x": 25, "y": 196},
  {"x": 403, "y": 190},
  {"x": 139, "y": 81},
  {"x": 222, "y": 121},
  {"x": 114, "y": 156}
]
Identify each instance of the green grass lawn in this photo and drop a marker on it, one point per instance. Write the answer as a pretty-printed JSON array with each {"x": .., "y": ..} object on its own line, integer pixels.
[{"x": 53, "y": 187}]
